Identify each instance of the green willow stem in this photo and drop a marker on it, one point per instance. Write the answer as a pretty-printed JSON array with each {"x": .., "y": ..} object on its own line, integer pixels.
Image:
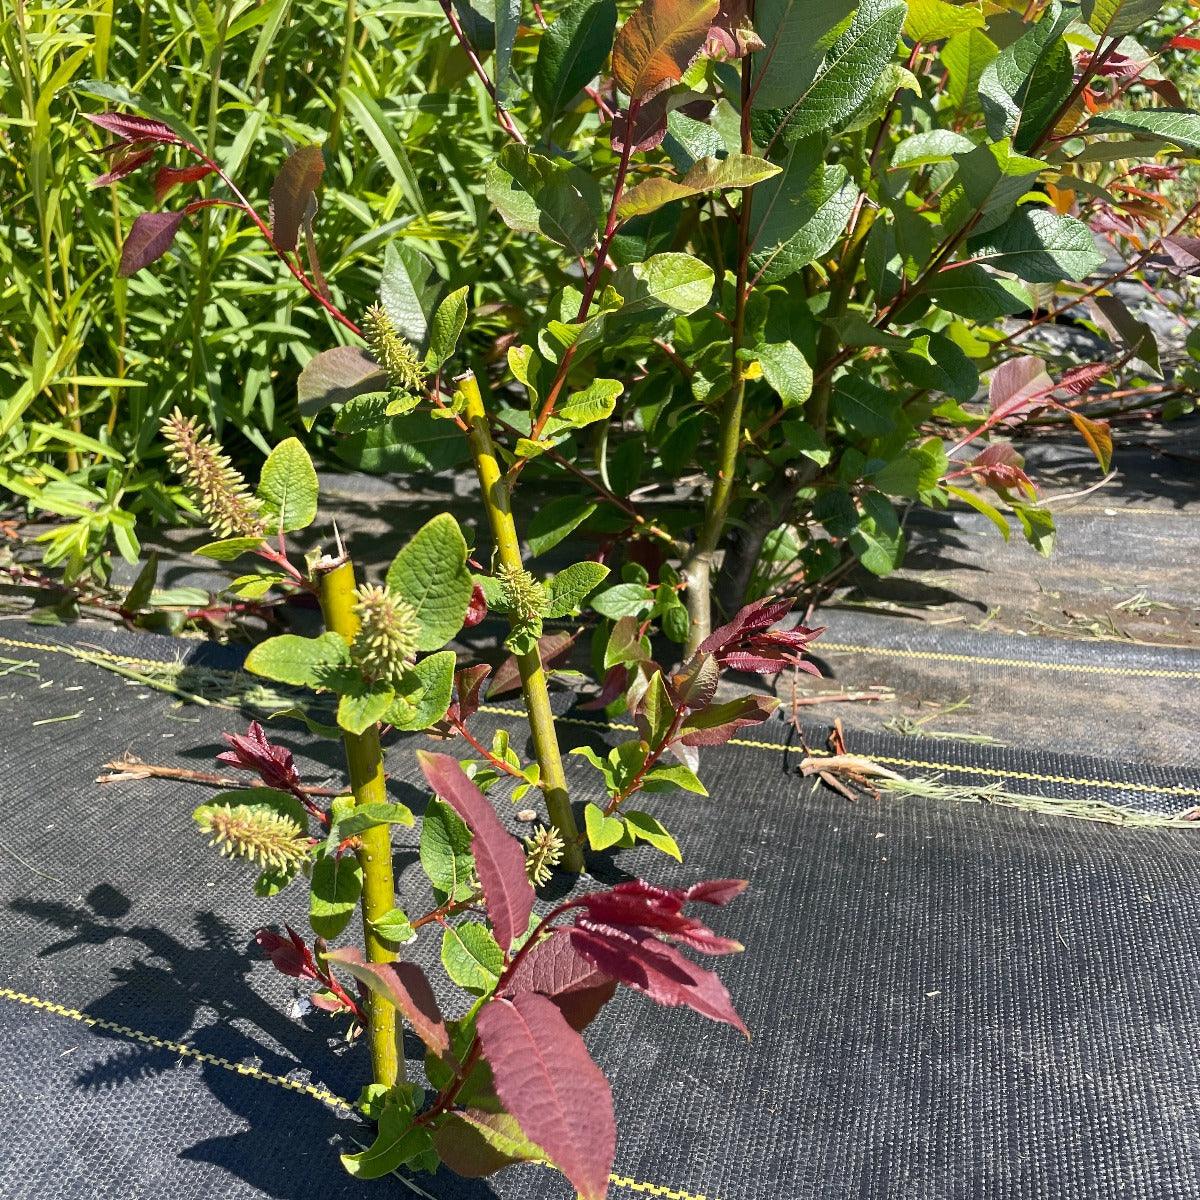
[
  {"x": 697, "y": 570},
  {"x": 497, "y": 500},
  {"x": 339, "y": 105},
  {"x": 364, "y": 758}
]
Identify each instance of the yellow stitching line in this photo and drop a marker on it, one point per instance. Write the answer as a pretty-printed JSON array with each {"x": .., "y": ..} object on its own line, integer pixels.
[
  {"x": 1033, "y": 776},
  {"x": 981, "y": 660},
  {"x": 180, "y": 1048},
  {"x": 1030, "y": 776},
  {"x": 318, "y": 1093}
]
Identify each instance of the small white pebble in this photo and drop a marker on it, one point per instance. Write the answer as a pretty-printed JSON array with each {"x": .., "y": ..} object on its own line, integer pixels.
[{"x": 527, "y": 814}]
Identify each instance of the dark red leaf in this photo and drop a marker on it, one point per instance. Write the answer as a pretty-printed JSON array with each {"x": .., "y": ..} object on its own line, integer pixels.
[
  {"x": 614, "y": 684},
  {"x": 714, "y": 726},
  {"x": 135, "y": 129},
  {"x": 649, "y": 126},
  {"x": 404, "y": 986},
  {"x": 499, "y": 858},
  {"x": 165, "y": 178},
  {"x": 289, "y": 955},
  {"x": 1184, "y": 43},
  {"x": 1078, "y": 380},
  {"x": 468, "y": 684},
  {"x": 555, "y": 969},
  {"x": 546, "y": 1078},
  {"x": 644, "y": 908},
  {"x": 477, "y": 607},
  {"x": 656, "y": 969},
  {"x": 150, "y": 237},
  {"x": 253, "y": 752},
  {"x": 124, "y": 162},
  {"x": 553, "y": 648},
  {"x": 293, "y": 190}
]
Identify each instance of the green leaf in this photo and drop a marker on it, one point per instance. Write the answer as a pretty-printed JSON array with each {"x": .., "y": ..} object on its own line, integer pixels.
[
  {"x": 572, "y": 52},
  {"x": 623, "y": 600},
  {"x": 394, "y": 927},
  {"x": 846, "y": 77},
  {"x": 934, "y": 20},
  {"x": 569, "y": 587},
  {"x": 535, "y": 194},
  {"x": 472, "y": 957},
  {"x": 363, "y": 413},
  {"x": 1175, "y": 126},
  {"x": 431, "y": 573},
  {"x": 424, "y": 694},
  {"x": 508, "y": 19},
  {"x": 1023, "y": 87},
  {"x": 1037, "y": 525},
  {"x": 915, "y": 472},
  {"x": 675, "y": 281},
  {"x": 602, "y": 831},
  {"x": 796, "y": 34},
  {"x": 657, "y": 711},
  {"x": 708, "y": 175},
  {"x": 966, "y": 56},
  {"x": 367, "y": 816},
  {"x": 936, "y": 364},
  {"x": 301, "y": 661},
  {"x": 626, "y": 644},
  {"x": 594, "y": 403},
  {"x": 413, "y": 444},
  {"x": 288, "y": 487},
  {"x": 227, "y": 549},
  {"x": 975, "y": 293},
  {"x": 987, "y": 186},
  {"x": 445, "y": 850},
  {"x": 799, "y": 215},
  {"x": 398, "y": 1141},
  {"x": 554, "y": 521},
  {"x": 448, "y": 320},
  {"x": 932, "y": 146},
  {"x": 336, "y": 887},
  {"x": 1116, "y": 18},
  {"x": 648, "y": 829},
  {"x": 786, "y": 370},
  {"x": 864, "y": 407},
  {"x": 978, "y": 503},
  {"x": 407, "y": 290},
  {"x": 664, "y": 776},
  {"x": 878, "y": 540},
  {"x": 362, "y": 704},
  {"x": 1040, "y": 246}
]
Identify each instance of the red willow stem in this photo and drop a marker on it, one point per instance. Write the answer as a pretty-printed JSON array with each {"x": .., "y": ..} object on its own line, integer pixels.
[
  {"x": 593, "y": 280},
  {"x": 498, "y": 763},
  {"x": 636, "y": 782},
  {"x": 502, "y": 115}
]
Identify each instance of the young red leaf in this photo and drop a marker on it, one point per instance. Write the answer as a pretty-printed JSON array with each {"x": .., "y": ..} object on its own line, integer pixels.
[
  {"x": 289, "y": 956},
  {"x": 556, "y": 970},
  {"x": 658, "y": 43},
  {"x": 1184, "y": 43},
  {"x": 404, "y": 986},
  {"x": 656, "y": 969},
  {"x": 546, "y": 1078},
  {"x": 253, "y": 752},
  {"x": 1078, "y": 380},
  {"x": 716, "y": 891},
  {"x": 468, "y": 683},
  {"x": 135, "y": 129},
  {"x": 293, "y": 190},
  {"x": 124, "y": 162},
  {"x": 1017, "y": 385},
  {"x": 477, "y": 608},
  {"x": 499, "y": 859},
  {"x": 165, "y": 178},
  {"x": 150, "y": 237},
  {"x": 643, "y": 908},
  {"x": 648, "y": 129}
]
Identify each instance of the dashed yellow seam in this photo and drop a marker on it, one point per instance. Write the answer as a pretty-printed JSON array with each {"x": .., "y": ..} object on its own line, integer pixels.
[
  {"x": 1029, "y": 776},
  {"x": 317, "y": 1093},
  {"x": 987, "y": 661}
]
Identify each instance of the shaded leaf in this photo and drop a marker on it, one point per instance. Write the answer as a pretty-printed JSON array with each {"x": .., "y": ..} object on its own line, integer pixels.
[
  {"x": 572, "y": 51},
  {"x": 150, "y": 237},
  {"x": 294, "y": 189}
]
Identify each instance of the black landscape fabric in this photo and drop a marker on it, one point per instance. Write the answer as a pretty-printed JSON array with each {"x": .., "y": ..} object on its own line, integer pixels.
[{"x": 947, "y": 999}]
